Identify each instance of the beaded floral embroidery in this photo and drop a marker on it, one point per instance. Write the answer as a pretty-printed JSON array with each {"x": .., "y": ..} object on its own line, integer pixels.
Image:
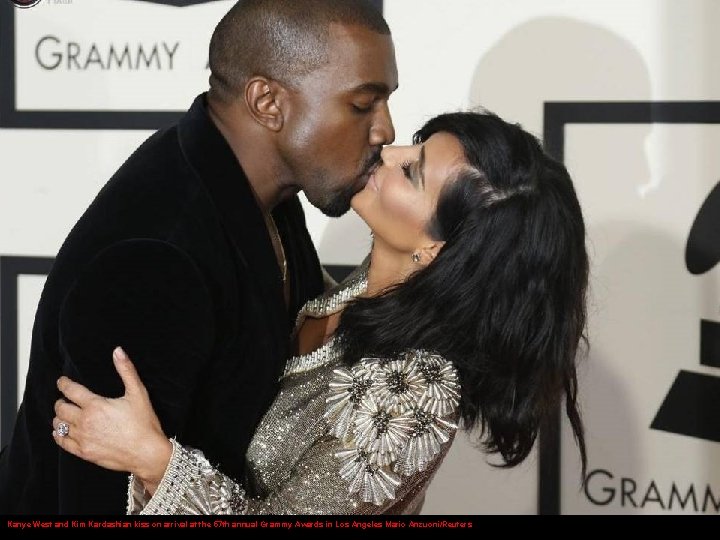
[{"x": 392, "y": 417}]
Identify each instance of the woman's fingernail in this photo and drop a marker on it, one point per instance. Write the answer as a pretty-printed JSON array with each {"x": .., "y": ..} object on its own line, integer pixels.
[{"x": 119, "y": 354}]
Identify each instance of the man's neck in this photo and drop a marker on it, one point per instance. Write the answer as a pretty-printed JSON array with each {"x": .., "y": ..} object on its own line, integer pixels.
[{"x": 255, "y": 153}]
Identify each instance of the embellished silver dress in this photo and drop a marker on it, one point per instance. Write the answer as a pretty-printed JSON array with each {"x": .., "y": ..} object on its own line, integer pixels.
[{"x": 361, "y": 439}]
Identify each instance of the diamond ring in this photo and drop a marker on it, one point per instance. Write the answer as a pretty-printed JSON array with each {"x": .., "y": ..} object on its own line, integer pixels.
[{"x": 63, "y": 429}]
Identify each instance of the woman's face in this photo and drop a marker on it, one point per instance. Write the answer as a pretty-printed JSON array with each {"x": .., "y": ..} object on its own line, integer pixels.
[{"x": 401, "y": 196}]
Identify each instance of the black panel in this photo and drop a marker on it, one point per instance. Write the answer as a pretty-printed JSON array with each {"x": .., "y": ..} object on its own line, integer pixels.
[{"x": 10, "y": 269}]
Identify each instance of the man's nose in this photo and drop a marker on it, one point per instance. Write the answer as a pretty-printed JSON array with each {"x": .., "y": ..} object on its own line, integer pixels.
[{"x": 382, "y": 131}]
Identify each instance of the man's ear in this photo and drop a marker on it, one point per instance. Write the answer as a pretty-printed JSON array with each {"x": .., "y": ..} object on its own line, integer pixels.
[{"x": 263, "y": 97}]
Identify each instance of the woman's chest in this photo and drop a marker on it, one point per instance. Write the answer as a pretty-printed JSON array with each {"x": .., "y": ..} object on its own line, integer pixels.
[{"x": 291, "y": 425}]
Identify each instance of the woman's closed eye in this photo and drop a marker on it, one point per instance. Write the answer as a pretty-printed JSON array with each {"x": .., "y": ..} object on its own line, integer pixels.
[{"x": 405, "y": 166}]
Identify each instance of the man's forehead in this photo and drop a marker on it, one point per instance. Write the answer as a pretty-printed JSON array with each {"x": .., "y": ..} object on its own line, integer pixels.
[
  {"x": 363, "y": 60},
  {"x": 346, "y": 41},
  {"x": 340, "y": 30}
]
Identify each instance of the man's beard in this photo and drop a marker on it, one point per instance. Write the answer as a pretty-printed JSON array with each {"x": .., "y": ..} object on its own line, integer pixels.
[{"x": 337, "y": 203}]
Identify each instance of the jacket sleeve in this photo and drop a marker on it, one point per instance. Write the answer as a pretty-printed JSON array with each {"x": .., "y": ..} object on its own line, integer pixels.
[
  {"x": 150, "y": 298},
  {"x": 390, "y": 425}
]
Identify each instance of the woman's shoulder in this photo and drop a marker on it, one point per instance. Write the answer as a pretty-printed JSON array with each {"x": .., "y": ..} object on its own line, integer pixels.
[
  {"x": 381, "y": 404},
  {"x": 413, "y": 379},
  {"x": 394, "y": 417}
]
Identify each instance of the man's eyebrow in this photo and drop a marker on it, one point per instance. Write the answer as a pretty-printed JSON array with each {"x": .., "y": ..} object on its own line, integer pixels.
[{"x": 375, "y": 88}]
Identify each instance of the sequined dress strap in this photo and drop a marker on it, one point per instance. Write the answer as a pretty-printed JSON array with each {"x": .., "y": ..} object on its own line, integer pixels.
[{"x": 323, "y": 306}]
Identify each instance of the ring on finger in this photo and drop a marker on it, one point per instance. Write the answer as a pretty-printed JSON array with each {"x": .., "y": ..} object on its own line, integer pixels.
[{"x": 63, "y": 429}]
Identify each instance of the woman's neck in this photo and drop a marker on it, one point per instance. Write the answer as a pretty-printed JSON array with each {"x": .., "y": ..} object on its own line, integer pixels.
[{"x": 388, "y": 267}]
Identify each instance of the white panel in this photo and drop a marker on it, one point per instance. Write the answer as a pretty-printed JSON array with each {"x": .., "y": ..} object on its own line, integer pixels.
[
  {"x": 47, "y": 180},
  {"x": 113, "y": 54},
  {"x": 645, "y": 313},
  {"x": 467, "y": 484}
]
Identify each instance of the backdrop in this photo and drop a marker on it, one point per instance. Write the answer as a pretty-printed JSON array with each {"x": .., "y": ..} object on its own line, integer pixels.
[{"x": 626, "y": 93}]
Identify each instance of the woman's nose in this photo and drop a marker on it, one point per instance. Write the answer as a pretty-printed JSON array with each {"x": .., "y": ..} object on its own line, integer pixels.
[{"x": 394, "y": 155}]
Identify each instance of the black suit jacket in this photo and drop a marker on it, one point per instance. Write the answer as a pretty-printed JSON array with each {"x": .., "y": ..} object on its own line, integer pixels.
[{"x": 173, "y": 262}]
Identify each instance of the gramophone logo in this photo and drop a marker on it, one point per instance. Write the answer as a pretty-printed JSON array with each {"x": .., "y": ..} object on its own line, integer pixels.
[
  {"x": 177, "y": 3},
  {"x": 25, "y": 3},
  {"x": 692, "y": 404}
]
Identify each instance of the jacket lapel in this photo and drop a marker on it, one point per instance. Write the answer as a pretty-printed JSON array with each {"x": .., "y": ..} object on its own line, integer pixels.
[{"x": 215, "y": 164}]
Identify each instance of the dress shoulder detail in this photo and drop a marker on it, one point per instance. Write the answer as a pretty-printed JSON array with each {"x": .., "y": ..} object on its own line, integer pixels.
[
  {"x": 331, "y": 302},
  {"x": 335, "y": 298},
  {"x": 392, "y": 417}
]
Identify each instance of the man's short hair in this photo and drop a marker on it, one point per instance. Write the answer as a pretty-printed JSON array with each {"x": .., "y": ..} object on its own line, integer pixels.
[{"x": 279, "y": 39}]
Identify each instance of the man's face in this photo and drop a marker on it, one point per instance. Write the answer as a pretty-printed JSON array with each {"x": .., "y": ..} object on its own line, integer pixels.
[{"x": 339, "y": 118}]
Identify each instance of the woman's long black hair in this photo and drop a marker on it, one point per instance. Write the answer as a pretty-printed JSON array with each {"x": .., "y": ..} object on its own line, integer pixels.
[{"x": 505, "y": 299}]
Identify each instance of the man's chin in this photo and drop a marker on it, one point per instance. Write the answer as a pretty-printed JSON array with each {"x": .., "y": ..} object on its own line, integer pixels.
[
  {"x": 335, "y": 211},
  {"x": 337, "y": 207}
]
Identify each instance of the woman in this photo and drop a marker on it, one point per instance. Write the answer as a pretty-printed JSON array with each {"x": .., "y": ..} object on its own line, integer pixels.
[{"x": 470, "y": 309}]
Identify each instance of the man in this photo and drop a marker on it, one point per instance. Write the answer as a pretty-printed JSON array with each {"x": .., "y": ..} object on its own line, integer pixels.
[{"x": 195, "y": 256}]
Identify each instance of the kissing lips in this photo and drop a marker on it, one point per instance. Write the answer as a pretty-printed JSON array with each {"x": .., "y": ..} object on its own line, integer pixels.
[
  {"x": 371, "y": 173},
  {"x": 372, "y": 182}
]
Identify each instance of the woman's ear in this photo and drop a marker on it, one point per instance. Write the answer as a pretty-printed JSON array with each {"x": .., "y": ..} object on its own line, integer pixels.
[
  {"x": 429, "y": 252},
  {"x": 263, "y": 97}
]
